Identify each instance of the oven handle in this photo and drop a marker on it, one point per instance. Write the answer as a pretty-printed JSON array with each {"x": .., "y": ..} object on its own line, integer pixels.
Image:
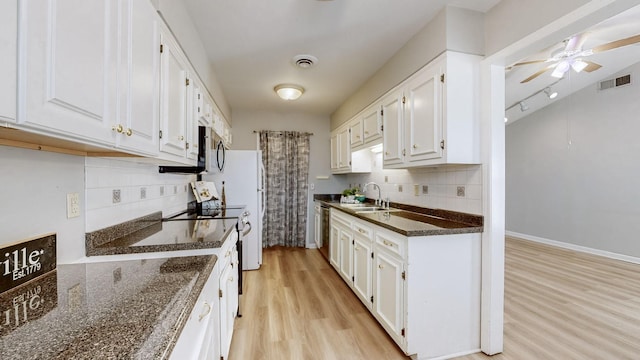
[{"x": 246, "y": 229}]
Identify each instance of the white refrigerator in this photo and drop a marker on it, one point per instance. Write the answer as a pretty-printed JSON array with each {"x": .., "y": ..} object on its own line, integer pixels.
[{"x": 243, "y": 175}]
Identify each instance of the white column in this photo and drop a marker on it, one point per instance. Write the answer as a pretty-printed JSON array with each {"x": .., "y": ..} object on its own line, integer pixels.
[{"x": 493, "y": 171}]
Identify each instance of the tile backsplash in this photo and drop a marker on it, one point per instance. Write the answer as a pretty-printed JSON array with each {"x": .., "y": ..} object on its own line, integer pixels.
[
  {"x": 118, "y": 190},
  {"x": 455, "y": 188}
]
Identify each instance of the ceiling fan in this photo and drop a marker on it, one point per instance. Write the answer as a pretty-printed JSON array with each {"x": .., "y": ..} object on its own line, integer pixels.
[{"x": 572, "y": 56}]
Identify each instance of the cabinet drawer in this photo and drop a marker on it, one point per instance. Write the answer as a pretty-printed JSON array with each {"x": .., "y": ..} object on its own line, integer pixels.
[
  {"x": 391, "y": 242},
  {"x": 344, "y": 220},
  {"x": 361, "y": 229}
]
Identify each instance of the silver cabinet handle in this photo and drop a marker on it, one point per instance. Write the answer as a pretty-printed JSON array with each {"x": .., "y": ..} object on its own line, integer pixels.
[
  {"x": 380, "y": 266},
  {"x": 206, "y": 312}
]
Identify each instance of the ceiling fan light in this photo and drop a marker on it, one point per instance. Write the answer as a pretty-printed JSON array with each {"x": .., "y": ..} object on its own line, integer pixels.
[
  {"x": 288, "y": 91},
  {"x": 579, "y": 65},
  {"x": 550, "y": 95}
]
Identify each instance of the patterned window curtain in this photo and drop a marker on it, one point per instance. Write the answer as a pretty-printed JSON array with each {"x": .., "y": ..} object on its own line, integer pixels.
[{"x": 285, "y": 155}]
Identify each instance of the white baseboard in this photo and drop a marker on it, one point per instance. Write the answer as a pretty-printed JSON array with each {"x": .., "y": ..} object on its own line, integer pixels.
[{"x": 583, "y": 249}]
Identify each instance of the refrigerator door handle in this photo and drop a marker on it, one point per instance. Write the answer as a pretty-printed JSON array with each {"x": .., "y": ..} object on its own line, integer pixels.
[{"x": 263, "y": 185}]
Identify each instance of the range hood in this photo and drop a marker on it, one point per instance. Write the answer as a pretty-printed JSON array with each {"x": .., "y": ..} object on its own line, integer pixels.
[{"x": 202, "y": 165}]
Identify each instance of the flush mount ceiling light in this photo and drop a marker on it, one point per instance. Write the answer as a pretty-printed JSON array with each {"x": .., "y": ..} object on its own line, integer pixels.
[
  {"x": 288, "y": 91},
  {"x": 550, "y": 95}
]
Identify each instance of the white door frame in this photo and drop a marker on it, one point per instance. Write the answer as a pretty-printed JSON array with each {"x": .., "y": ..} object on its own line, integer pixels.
[{"x": 493, "y": 152}]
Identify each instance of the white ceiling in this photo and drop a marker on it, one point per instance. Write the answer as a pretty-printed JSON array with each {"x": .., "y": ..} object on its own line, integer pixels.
[
  {"x": 250, "y": 44},
  {"x": 618, "y": 27}
]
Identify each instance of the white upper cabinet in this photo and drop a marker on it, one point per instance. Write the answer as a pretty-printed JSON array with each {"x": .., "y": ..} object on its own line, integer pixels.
[
  {"x": 139, "y": 88},
  {"x": 8, "y": 59},
  {"x": 174, "y": 80},
  {"x": 438, "y": 119},
  {"x": 423, "y": 114},
  {"x": 355, "y": 133},
  {"x": 69, "y": 74},
  {"x": 90, "y": 72},
  {"x": 392, "y": 120},
  {"x": 372, "y": 123}
]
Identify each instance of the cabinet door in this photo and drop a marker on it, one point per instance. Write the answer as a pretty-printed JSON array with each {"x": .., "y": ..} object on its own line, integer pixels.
[
  {"x": 344, "y": 150},
  {"x": 362, "y": 269},
  {"x": 346, "y": 255},
  {"x": 334, "y": 152},
  {"x": 388, "y": 289},
  {"x": 8, "y": 59},
  {"x": 334, "y": 247},
  {"x": 173, "y": 101},
  {"x": 139, "y": 93},
  {"x": 69, "y": 81},
  {"x": 355, "y": 133},
  {"x": 392, "y": 113},
  {"x": 227, "y": 312},
  {"x": 423, "y": 114},
  {"x": 372, "y": 123},
  {"x": 193, "y": 120}
]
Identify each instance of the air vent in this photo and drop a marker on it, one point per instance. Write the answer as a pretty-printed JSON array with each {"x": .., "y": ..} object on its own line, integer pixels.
[
  {"x": 305, "y": 61},
  {"x": 611, "y": 83}
]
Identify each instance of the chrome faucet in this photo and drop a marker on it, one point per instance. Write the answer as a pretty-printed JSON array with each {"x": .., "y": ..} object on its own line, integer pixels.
[{"x": 379, "y": 199}]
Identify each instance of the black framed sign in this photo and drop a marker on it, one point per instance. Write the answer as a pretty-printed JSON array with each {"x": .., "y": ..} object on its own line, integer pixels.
[{"x": 27, "y": 260}]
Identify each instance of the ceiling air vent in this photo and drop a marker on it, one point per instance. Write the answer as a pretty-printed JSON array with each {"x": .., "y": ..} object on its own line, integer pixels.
[
  {"x": 305, "y": 61},
  {"x": 611, "y": 83}
]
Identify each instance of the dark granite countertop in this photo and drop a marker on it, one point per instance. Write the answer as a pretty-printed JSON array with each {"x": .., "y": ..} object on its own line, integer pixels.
[
  {"x": 109, "y": 310},
  {"x": 413, "y": 220},
  {"x": 151, "y": 234}
]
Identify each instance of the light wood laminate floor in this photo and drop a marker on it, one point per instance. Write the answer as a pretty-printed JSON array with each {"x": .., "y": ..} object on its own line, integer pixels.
[{"x": 559, "y": 304}]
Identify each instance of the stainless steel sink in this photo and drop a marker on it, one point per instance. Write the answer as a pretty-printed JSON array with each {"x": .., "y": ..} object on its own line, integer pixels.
[{"x": 366, "y": 208}]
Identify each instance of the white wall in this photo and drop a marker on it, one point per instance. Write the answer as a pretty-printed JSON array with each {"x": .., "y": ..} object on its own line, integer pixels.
[
  {"x": 33, "y": 197},
  {"x": 168, "y": 193},
  {"x": 442, "y": 184},
  {"x": 572, "y": 170},
  {"x": 246, "y": 121}
]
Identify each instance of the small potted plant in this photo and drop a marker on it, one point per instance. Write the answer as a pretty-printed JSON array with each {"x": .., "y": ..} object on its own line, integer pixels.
[{"x": 349, "y": 195}]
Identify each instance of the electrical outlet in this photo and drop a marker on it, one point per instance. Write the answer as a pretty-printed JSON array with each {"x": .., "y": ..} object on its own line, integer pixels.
[
  {"x": 416, "y": 189},
  {"x": 175, "y": 189},
  {"x": 425, "y": 189},
  {"x": 461, "y": 191},
  {"x": 143, "y": 193},
  {"x": 399, "y": 188},
  {"x": 116, "y": 196},
  {"x": 161, "y": 190},
  {"x": 73, "y": 205},
  {"x": 312, "y": 186},
  {"x": 386, "y": 179}
]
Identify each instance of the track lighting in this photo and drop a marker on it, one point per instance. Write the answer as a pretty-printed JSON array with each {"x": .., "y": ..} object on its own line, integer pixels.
[
  {"x": 550, "y": 95},
  {"x": 523, "y": 106}
]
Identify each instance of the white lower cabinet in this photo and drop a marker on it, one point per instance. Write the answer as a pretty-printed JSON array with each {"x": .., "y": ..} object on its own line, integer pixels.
[
  {"x": 228, "y": 294},
  {"x": 362, "y": 270},
  {"x": 209, "y": 329},
  {"x": 423, "y": 290},
  {"x": 197, "y": 339}
]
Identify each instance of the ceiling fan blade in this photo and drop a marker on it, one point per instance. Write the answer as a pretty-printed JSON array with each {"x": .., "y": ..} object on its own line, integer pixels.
[
  {"x": 591, "y": 66},
  {"x": 535, "y": 75},
  {"x": 528, "y": 62},
  {"x": 616, "y": 44}
]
